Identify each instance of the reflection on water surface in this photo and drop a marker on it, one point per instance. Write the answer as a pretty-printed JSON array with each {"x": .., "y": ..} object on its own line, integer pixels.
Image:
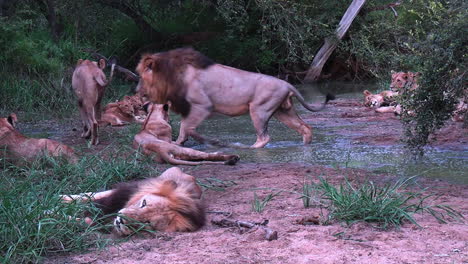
[{"x": 327, "y": 147}]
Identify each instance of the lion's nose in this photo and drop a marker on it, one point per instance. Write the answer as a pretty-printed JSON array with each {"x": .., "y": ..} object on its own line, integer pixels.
[{"x": 118, "y": 221}]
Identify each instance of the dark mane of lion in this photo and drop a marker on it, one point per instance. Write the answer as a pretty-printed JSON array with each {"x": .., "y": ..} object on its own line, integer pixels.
[
  {"x": 117, "y": 200},
  {"x": 197, "y": 218},
  {"x": 168, "y": 69}
]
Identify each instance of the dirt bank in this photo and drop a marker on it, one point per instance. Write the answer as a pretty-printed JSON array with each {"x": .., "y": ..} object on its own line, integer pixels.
[{"x": 297, "y": 243}]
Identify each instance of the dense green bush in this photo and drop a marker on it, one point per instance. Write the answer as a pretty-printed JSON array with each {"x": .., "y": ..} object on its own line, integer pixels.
[{"x": 269, "y": 36}]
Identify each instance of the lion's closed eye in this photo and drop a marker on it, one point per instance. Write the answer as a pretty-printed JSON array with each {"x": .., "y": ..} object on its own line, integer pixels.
[{"x": 143, "y": 203}]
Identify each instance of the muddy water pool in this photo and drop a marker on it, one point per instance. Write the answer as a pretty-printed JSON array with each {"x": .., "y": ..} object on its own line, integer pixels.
[{"x": 330, "y": 148}]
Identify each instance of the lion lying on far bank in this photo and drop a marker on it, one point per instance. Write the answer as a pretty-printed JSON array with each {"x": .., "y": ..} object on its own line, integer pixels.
[
  {"x": 197, "y": 87},
  {"x": 171, "y": 203},
  {"x": 155, "y": 139},
  {"x": 19, "y": 148}
]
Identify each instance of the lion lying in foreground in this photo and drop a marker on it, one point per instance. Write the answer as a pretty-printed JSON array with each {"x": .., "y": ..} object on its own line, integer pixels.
[
  {"x": 197, "y": 87},
  {"x": 155, "y": 137},
  {"x": 129, "y": 109},
  {"x": 17, "y": 147},
  {"x": 171, "y": 203}
]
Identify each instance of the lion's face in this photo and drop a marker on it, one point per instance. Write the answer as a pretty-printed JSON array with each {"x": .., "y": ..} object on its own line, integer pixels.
[
  {"x": 168, "y": 203},
  {"x": 372, "y": 100},
  {"x": 152, "y": 210},
  {"x": 146, "y": 71},
  {"x": 401, "y": 80},
  {"x": 126, "y": 107}
]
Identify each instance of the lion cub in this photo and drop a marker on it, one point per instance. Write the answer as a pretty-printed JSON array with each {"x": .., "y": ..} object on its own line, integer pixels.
[
  {"x": 129, "y": 109},
  {"x": 17, "y": 147},
  {"x": 155, "y": 137},
  {"x": 171, "y": 203}
]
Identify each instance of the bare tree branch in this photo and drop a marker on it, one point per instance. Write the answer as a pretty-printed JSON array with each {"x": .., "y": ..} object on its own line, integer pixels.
[
  {"x": 315, "y": 69},
  {"x": 129, "y": 75}
]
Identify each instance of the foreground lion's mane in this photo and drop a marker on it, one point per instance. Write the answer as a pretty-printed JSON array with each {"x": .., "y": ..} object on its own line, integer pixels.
[
  {"x": 186, "y": 212},
  {"x": 168, "y": 72}
]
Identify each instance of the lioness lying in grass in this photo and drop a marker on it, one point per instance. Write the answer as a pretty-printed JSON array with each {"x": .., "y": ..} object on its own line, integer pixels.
[{"x": 18, "y": 148}]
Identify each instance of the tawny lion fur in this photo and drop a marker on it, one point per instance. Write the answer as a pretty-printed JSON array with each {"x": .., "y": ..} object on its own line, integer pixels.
[
  {"x": 155, "y": 138},
  {"x": 197, "y": 87},
  {"x": 402, "y": 80},
  {"x": 18, "y": 148},
  {"x": 129, "y": 109},
  {"x": 384, "y": 98},
  {"x": 89, "y": 82},
  {"x": 171, "y": 203}
]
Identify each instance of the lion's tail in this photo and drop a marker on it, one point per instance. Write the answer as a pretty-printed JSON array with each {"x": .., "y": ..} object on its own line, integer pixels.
[{"x": 310, "y": 107}]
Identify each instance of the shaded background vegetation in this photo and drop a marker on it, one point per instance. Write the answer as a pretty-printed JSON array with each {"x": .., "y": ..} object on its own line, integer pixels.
[{"x": 42, "y": 39}]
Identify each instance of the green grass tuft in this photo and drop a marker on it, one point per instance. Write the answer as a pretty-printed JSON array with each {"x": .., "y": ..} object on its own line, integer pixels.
[
  {"x": 258, "y": 205},
  {"x": 35, "y": 223},
  {"x": 386, "y": 206}
]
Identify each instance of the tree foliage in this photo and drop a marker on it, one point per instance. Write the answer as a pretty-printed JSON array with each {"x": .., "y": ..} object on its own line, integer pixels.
[{"x": 42, "y": 39}]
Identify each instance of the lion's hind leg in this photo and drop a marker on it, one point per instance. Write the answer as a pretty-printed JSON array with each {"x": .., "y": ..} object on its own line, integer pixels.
[
  {"x": 83, "y": 197},
  {"x": 177, "y": 155},
  {"x": 195, "y": 155},
  {"x": 86, "y": 197},
  {"x": 291, "y": 119}
]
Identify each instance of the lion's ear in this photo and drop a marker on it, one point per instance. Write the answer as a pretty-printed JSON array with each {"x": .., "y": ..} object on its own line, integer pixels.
[
  {"x": 148, "y": 64},
  {"x": 102, "y": 64},
  {"x": 146, "y": 107},
  {"x": 78, "y": 63},
  {"x": 167, "y": 187},
  {"x": 12, "y": 119},
  {"x": 166, "y": 107},
  {"x": 366, "y": 93}
]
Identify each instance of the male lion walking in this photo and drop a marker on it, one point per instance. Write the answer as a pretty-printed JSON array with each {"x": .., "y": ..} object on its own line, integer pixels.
[{"x": 197, "y": 87}]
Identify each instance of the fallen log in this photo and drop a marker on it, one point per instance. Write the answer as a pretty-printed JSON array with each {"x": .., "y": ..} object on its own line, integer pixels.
[{"x": 269, "y": 234}]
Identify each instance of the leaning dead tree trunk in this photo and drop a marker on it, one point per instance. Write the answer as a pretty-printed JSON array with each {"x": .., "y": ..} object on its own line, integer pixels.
[{"x": 315, "y": 69}]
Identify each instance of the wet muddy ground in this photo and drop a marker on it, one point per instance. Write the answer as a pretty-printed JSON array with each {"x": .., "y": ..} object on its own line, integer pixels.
[
  {"x": 300, "y": 239},
  {"x": 350, "y": 141}
]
